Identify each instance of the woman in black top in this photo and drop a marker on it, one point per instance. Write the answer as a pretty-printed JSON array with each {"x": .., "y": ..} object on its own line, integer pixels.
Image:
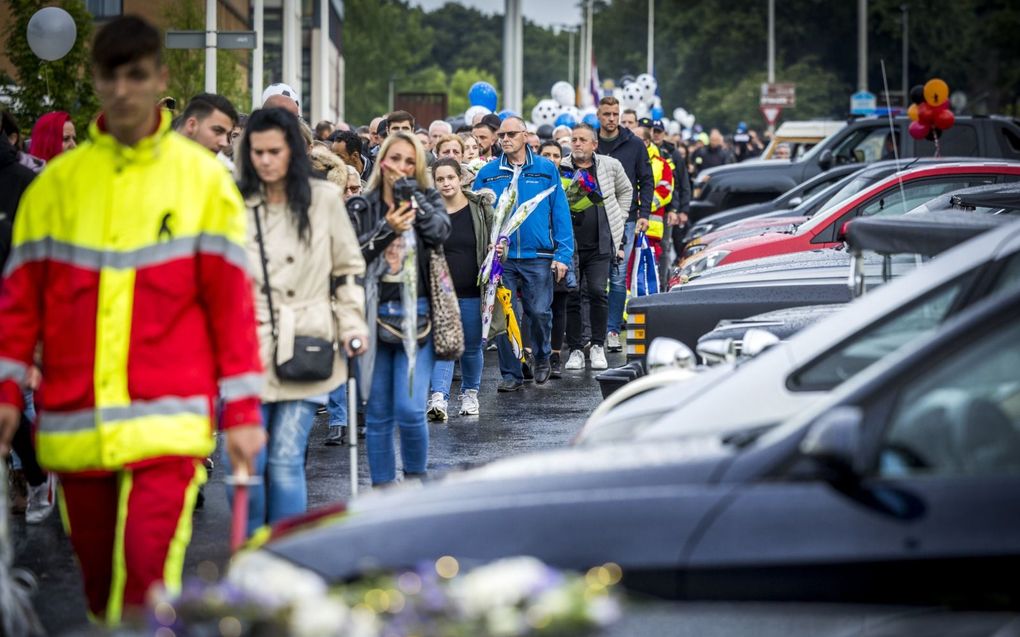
[{"x": 471, "y": 221}]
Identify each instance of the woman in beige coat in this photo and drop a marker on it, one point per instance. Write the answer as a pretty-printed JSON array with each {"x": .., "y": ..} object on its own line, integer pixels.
[{"x": 300, "y": 238}]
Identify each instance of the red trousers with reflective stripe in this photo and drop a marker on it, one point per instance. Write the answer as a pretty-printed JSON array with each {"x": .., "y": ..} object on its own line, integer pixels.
[{"x": 119, "y": 571}]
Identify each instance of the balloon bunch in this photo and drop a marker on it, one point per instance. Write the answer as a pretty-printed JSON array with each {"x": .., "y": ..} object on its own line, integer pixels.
[{"x": 930, "y": 115}]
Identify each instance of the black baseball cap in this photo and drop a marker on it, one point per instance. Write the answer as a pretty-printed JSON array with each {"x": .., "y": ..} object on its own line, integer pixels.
[
  {"x": 492, "y": 121},
  {"x": 657, "y": 125},
  {"x": 645, "y": 122}
]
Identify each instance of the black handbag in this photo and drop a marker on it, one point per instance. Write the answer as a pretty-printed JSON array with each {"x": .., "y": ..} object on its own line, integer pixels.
[
  {"x": 313, "y": 357},
  {"x": 391, "y": 332}
]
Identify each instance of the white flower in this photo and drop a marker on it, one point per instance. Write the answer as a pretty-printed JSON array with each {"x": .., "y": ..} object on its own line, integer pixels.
[
  {"x": 504, "y": 621},
  {"x": 318, "y": 617},
  {"x": 274, "y": 581},
  {"x": 603, "y": 610},
  {"x": 501, "y": 583}
]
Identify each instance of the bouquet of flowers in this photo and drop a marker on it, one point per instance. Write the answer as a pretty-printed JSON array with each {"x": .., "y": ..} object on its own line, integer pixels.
[
  {"x": 581, "y": 188},
  {"x": 517, "y": 597}
]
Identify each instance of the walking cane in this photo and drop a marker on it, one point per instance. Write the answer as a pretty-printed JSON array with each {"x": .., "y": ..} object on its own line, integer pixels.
[
  {"x": 352, "y": 415},
  {"x": 239, "y": 522}
]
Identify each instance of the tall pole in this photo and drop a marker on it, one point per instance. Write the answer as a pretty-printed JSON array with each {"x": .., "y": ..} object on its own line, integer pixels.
[
  {"x": 862, "y": 45},
  {"x": 570, "y": 57},
  {"x": 257, "y": 54},
  {"x": 772, "y": 41},
  {"x": 906, "y": 53},
  {"x": 292, "y": 46},
  {"x": 582, "y": 44},
  {"x": 518, "y": 98},
  {"x": 590, "y": 53},
  {"x": 509, "y": 43},
  {"x": 210, "y": 46},
  {"x": 322, "y": 80},
  {"x": 651, "y": 37}
]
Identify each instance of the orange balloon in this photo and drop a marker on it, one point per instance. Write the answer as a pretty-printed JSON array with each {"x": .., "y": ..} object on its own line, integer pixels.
[
  {"x": 936, "y": 92},
  {"x": 912, "y": 112}
]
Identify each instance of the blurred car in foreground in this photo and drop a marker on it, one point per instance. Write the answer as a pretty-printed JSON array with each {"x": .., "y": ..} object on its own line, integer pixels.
[{"x": 901, "y": 488}]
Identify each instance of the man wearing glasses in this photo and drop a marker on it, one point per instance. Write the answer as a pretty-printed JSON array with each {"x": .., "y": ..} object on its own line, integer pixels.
[{"x": 544, "y": 242}]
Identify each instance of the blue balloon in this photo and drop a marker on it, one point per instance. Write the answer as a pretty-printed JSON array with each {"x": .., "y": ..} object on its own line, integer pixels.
[
  {"x": 565, "y": 119},
  {"x": 591, "y": 119},
  {"x": 657, "y": 113},
  {"x": 483, "y": 94},
  {"x": 505, "y": 114}
]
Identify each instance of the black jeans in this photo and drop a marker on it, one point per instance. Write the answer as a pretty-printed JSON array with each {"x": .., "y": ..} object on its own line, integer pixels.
[
  {"x": 22, "y": 444},
  {"x": 592, "y": 275},
  {"x": 559, "y": 309}
]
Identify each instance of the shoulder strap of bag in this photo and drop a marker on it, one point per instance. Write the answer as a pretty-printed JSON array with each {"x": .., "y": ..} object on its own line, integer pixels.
[{"x": 265, "y": 271}]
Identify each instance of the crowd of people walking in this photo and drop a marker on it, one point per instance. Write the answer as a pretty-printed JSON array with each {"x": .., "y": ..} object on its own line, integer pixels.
[{"x": 176, "y": 273}]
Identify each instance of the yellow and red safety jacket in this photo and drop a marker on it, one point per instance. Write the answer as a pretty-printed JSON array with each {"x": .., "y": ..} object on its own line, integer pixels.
[
  {"x": 128, "y": 266},
  {"x": 662, "y": 175}
]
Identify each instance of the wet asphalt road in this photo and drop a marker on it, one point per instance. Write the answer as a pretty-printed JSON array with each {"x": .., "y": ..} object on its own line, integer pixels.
[{"x": 535, "y": 418}]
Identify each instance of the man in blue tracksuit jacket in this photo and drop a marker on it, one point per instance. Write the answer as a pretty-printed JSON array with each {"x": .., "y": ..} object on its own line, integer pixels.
[{"x": 544, "y": 242}]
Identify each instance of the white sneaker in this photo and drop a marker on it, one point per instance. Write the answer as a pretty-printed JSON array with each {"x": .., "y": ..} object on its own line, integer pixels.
[
  {"x": 469, "y": 402},
  {"x": 40, "y": 501},
  {"x": 613, "y": 342},
  {"x": 598, "y": 357},
  {"x": 437, "y": 408},
  {"x": 576, "y": 360}
]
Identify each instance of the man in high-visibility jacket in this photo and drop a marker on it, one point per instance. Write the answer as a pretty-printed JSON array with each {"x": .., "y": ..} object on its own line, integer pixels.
[
  {"x": 128, "y": 267},
  {"x": 662, "y": 187}
]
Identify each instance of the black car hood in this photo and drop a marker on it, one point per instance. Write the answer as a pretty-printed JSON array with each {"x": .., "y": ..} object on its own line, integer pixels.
[{"x": 572, "y": 508}]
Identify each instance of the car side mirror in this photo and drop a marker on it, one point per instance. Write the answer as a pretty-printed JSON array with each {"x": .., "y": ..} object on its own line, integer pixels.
[
  {"x": 756, "y": 341},
  {"x": 714, "y": 351},
  {"x": 834, "y": 440},
  {"x": 796, "y": 201},
  {"x": 841, "y": 235},
  {"x": 825, "y": 159}
]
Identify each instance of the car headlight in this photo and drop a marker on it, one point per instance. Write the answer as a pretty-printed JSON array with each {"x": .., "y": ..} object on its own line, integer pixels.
[
  {"x": 274, "y": 580},
  {"x": 701, "y": 263},
  {"x": 701, "y": 230}
]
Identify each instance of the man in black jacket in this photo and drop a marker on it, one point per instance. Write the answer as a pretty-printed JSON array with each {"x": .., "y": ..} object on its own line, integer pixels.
[
  {"x": 621, "y": 144},
  {"x": 14, "y": 179}
]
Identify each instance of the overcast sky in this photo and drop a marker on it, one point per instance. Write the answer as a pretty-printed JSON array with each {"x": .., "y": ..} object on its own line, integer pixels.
[{"x": 544, "y": 12}]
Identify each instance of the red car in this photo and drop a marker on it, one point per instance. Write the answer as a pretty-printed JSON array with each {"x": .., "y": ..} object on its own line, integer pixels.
[{"x": 892, "y": 196}]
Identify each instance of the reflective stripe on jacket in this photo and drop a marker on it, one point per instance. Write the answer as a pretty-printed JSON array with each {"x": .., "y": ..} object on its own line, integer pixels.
[
  {"x": 662, "y": 176},
  {"x": 128, "y": 266}
]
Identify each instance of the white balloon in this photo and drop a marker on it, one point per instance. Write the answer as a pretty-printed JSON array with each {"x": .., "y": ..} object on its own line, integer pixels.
[
  {"x": 545, "y": 112},
  {"x": 572, "y": 111},
  {"x": 679, "y": 114},
  {"x": 673, "y": 128},
  {"x": 563, "y": 93},
  {"x": 688, "y": 121},
  {"x": 474, "y": 111},
  {"x": 589, "y": 110},
  {"x": 51, "y": 33},
  {"x": 648, "y": 86},
  {"x": 642, "y": 110},
  {"x": 632, "y": 96}
]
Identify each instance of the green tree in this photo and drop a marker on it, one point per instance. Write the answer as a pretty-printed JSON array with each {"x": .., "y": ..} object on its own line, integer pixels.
[
  {"x": 60, "y": 85},
  {"x": 187, "y": 66}
]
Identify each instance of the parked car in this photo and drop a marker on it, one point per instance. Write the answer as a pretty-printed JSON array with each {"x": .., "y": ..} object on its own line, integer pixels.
[
  {"x": 852, "y": 182},
  {"x": 789, "y": 200},
  {"x": 899, "y": 489},
  {"x": 800, "y": 137},
  {"x": 953, "y": 279},
  {"x": 862, "y": 141},
  {"x": 891, "y": 196},
  {"x": 923, "y": 232}
]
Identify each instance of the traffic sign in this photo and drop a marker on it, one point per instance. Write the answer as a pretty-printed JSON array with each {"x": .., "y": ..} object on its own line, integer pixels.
[
  {"x": 781, "y": 95},
  {"x": 863, "y": 103},
  {"x": 771, "y": 114}
]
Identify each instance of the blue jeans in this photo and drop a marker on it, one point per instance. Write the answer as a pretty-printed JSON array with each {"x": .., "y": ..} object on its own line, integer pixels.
[
  {"x": 618, "y": 280},
  {"x": 531, "y": 285},
  {"x": 337, "y": 406},
  {"x": 283, "y": 492},
  {"x": 473, "y": 359},
  {"x": 392, "y": 404}
]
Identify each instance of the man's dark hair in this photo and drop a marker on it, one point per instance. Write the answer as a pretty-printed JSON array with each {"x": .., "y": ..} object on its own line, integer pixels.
[
  {"x": 400, "y": 116},
  {"x": 350, "y": 139},
  {"x": 609, "y": 100},
  {"x": 586, "y": 126},
  {"x": 9, "y": 125},
  {"x": 299, "y": 191},
  {"x": 323, "y": 127},
  {"x": 203, "y": 105},
  {"x": 630, "y": 111},
  {"x": 124, "y": 40}
]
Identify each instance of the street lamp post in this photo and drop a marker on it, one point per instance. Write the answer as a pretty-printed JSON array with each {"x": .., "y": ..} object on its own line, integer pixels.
[{"x": 905, "y": 8}]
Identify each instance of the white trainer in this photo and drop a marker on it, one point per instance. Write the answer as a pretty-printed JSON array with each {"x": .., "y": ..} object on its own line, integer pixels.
[
  {"x": 40, "y": 501},
  {"x": 613, "y": 342},
  {"x": 598, "y": 357},
  {"x": 469, "y": 402},
  {"x": 437, "y": 408},
  {"x": 576, "y": 360}
]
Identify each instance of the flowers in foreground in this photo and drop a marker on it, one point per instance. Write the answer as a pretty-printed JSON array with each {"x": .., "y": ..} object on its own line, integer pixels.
[{"x": 515, "y": 597}]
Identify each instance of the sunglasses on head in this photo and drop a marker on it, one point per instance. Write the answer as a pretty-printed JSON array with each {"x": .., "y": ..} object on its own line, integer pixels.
[{"x": 510, "y": 133}]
